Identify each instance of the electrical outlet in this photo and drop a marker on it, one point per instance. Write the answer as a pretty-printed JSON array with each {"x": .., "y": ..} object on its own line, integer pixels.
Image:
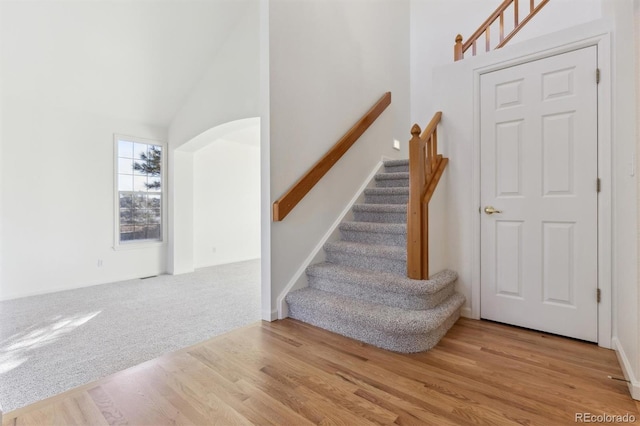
[
  {"x": 396, "y": 144},
  {"x": 99, "y": 263},
  {"x": 213, "y": 249}
]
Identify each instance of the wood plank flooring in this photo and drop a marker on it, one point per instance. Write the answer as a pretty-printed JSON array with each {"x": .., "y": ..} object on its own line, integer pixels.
[{"x": 290, "y": 373}]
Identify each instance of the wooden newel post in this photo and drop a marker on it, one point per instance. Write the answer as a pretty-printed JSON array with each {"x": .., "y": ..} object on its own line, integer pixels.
[
  {"x": 457, "y": 48},
  {"x": 416, "y": 211}
]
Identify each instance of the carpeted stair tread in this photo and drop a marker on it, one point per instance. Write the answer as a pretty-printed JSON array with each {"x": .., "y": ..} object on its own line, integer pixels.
[
  {"x": 392, "y": 175},
  {"x": 393, "y": 190},
  {"x": 374, "y": 257},
  {"x": 369, "y": 250},
  {"x": 400, "y": 178},
  {"x": 387, "y": 195},
  {"x": 380, "y": 208},
  {"x": 383, "y": 228},
  {"x": 382, "y": 287},
  {"x": 360, "y": 313},
  {"x": 396, "y": 165},
  {"x": 390, "y": 234},
  {"x": 380, "y": 213},
  {"x": 381, "y": 280},
  {"x": 395, "y": 179}
]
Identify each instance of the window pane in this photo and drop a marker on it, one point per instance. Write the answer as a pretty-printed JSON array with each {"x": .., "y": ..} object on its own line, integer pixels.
[
  {"x": 126, "y": 232},
  {"x": 140, "y": 150},
  {"x": 154, "y": 184},
  {"x": 125, "y": 165},
  {"x": 125, "y": 182},
  {"x": 126, "y": 201},
  {"x": 140, "y": 201},
  {"x": 155, "y": 159},
  {"x": 153, "y": 232},
  {"x": 140, "y": 217},
  {"x": 155, "y": 216},
  {"x": 154, "y": 201},
  {"x": 125, "y": 149},
  {"x": 126, "y": 217},
  {"x": 140, "y": 167},
  {"x": 140, "y": 183}
]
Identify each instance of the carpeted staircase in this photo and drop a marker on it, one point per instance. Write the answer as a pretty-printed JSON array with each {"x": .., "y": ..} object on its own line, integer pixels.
[{"x": 362, "y": 290}]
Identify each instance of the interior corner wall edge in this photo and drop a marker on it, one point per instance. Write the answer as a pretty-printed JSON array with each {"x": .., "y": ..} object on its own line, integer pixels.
[
  {"x": 637, "y": 82},
  {"x": 625, "y": 213},
  {"x": 329, "y": 63},
  {"x": 229, "y": 89}
]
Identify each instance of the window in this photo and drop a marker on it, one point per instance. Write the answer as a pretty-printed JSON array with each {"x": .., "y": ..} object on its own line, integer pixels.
[{"x": 140, "y": 190}]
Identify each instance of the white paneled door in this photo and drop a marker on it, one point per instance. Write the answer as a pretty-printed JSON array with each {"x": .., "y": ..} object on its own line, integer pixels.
[{"x": 539, "y": 174}]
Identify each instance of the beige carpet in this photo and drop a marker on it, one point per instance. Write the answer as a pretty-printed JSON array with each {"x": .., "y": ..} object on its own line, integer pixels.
[{"x": 55, "y": 342}]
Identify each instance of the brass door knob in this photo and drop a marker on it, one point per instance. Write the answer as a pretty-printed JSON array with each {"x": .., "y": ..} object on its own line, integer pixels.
[{"x": 491, "y": 210}]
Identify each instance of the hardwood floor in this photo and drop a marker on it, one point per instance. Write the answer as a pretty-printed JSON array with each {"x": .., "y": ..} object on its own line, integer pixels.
[{"x": 290, "y": 373}]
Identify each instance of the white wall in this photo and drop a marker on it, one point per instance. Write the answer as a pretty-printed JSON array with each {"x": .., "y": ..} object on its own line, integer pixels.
[
  {"x": 628, "y": 318},
  {"x": 329, "y": 62},
  {"x": 1, "y": 160},
  {"x": 58, "y": 204},
  {"x": 267, "y": 312},
  {"x": 229, "y": 88},
  {"x": 435, "y": 24},
  {"x": 228, "y": 91},
  {"x": 628, "y": 297},
  {"x": 227, "y": 199}
]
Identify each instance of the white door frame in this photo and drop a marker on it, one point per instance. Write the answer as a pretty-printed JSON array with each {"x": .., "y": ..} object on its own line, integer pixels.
[{"x": 605, "y": 224}]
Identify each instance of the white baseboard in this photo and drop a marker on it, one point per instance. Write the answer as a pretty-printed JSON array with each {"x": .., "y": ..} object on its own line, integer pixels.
[
  {"x": 5, "y": 297},
  {"x": 270, "y": 315},
  {"x": 466, "y": 313},
  {"x": 298, "y": 277},
  {"x": 634, "y": 384}
]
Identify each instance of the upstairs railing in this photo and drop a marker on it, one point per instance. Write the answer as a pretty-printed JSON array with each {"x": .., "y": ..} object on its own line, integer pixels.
[
  {"x": 425, "y": 169},
  {"x": 297, "y": 192},
  {"x": 509, "y": 7}
]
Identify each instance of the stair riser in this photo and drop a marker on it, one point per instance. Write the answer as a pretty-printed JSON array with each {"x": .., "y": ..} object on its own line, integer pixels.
[
  {"x": 404, "y": 343},
  {"x": 404, "y": 301},
  {"x": 375, "y": 238},
  {"x": 396, "y": 169},
  {"x": 386, "y": 199},
  {"x": 368, "y": 263},
  {"x": 388, "y": 183},
  {"x": 380, "y": 217}
]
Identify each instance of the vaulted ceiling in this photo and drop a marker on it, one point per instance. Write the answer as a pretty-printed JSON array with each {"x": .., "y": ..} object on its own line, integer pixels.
[{"x": 132, "y": 59}]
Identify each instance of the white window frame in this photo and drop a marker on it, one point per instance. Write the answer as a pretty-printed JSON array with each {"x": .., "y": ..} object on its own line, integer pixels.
[{"x": 138, "y": 244}]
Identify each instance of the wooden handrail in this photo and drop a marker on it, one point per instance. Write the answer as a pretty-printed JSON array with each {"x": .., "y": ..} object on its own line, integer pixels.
[
  {"x": 292, "y": 197},
  {"x": 460, "y": 48},
  {"x": 425, "y": 170}
]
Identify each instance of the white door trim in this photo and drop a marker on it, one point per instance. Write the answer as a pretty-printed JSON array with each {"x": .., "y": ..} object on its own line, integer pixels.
[{"x": 605, "y": 224}]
